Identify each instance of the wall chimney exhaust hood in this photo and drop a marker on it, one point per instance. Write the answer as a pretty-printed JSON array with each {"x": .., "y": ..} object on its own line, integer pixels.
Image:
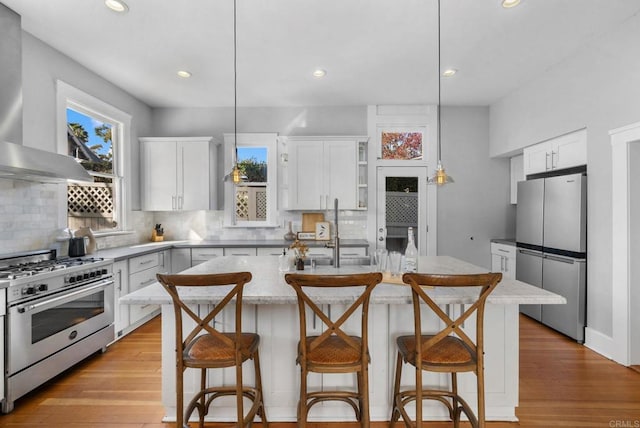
[
  {"x": 19, "y": 162},
  {"x": 24, "y": 163}
]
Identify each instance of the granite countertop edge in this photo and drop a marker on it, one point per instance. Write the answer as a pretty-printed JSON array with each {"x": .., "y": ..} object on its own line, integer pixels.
[{"x": 122, "y": 253}]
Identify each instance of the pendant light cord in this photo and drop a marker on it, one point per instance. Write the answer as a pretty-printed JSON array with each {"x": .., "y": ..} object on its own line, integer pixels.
[
  {"x": 439, "y": 90},
  {"x": 235, "y": 87}
]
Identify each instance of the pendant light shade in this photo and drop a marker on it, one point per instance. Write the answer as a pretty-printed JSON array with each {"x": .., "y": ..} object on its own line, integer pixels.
[
  {"x": 439, "y": 177},
  {"x": 235, "y": 175}
]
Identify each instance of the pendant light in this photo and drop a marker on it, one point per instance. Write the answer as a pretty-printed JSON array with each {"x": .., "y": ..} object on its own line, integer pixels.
[
  {"x": 439, "y": 177},
  {"x": 235, "y": 175}
]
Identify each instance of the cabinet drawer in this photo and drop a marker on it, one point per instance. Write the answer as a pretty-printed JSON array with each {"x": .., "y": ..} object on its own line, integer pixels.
[
  {"x": 139, "y": 263},
  {"x": 240, "y": 251},
  {"x": 199, "y": 255},
  {"x": 503, "y": 249},
  {"x": 141, "y": 279},
  {"x": 320, "y": 252},
  {"x": 353, "y": 252},
  {"x": 274, "y": 251}
]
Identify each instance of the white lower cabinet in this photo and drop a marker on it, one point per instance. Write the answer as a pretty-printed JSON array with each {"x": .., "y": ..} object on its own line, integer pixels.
[
  {"x": 503, "y": 259},
  {"x": 131, "y": 275},
  {"x": 180, "y": 259},
  {"x": 121, "y": 288}
]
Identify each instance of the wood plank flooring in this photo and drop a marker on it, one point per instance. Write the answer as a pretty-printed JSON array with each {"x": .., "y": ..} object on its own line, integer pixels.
[{"x": 562, "y": 384}]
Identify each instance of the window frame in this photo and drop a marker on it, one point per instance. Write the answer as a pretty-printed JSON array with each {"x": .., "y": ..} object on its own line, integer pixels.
[
  {"x": 268, "y": 140},
  {"x": 68, "y": 96}
]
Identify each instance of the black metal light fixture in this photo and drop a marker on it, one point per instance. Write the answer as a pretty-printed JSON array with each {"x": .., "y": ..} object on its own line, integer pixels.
[
  {"x": 439, "y": 177},
  {"x": 235, "y": 175}
]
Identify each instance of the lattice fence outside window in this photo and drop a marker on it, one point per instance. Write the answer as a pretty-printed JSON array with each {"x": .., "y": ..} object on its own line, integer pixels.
[
  {"x": 251, "y": 203},
  {"x": 90, "y": 205}
]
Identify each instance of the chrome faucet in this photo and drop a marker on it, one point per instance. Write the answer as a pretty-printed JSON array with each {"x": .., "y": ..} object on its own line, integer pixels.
[{"x": 336, "y": 239}]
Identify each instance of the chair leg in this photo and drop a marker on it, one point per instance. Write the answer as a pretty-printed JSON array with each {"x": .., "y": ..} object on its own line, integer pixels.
[
  {"x": 418, "y": 423},
  {"x": 302, "y": 404},
  {"x": 395, "y": 412},
  {"x": 481, "y": 404},
  {"x": 364, "y": 396},
  {"x": 455, "y": 405},
  {"x": 239, "y": 396},
  {"x": 179, "y": 398},
  {"x": 261, "y": 410}
]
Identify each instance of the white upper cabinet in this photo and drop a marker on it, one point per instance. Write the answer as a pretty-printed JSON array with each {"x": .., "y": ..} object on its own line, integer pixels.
[
  {"x": 562, "y": 152},
  {"x": 177, "y": 174},
  {"x": 321, "y": 169}
]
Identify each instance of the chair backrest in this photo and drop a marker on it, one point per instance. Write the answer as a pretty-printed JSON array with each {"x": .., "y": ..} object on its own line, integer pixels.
[
  {"x": 234, "y": 281},
  {"x": 365, "y": 281},
  {"x": 484, "y": 283}
]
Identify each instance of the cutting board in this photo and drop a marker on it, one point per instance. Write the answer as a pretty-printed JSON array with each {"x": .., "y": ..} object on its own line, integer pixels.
[{"x": 309, "y": 221}]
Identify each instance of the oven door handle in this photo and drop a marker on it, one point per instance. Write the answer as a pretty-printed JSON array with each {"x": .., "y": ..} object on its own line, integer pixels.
[{"x": 67, "y": 297}]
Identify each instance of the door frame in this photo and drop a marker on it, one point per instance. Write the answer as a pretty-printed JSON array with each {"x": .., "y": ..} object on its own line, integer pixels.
[
  {"x": 427, "y": 230},
  {"x": 622, "y": 265}
]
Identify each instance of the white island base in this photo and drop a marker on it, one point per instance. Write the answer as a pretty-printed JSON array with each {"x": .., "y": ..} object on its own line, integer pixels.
[{"x": 271, "y": 311}]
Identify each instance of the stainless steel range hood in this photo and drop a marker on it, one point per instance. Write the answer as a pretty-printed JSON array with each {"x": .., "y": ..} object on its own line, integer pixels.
[{"x": 17, "y": 161}]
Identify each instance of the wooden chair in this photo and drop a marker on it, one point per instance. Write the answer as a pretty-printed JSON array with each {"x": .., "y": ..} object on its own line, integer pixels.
[
  {"x": 205, "y": 347},
  {"x": 334, "y": 351},
  {"x": 448, "y": 350}
]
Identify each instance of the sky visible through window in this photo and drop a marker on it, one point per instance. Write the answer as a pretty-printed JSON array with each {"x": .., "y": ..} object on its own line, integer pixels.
[
  {"x": 258, "y": 153},
  {"x": 89, "y": 124}
]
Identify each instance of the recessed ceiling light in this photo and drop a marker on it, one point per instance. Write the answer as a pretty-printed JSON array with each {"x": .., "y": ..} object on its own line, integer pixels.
[
  {"x": 449, "y": 72},
  {"x": 184, "y": 74},
  {"x": 510, "y": 3},
  {"x": 116, "y": 5},
  {"x": 319, "y": 73}
]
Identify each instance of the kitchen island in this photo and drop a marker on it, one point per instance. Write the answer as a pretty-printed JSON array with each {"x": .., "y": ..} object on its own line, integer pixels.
[{"x": 270, "y": 310}]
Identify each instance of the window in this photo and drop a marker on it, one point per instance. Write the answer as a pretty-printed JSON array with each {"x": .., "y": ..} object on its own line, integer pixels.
[
  {"x": 93, "y": 133},
  {"x": 252, "y": 203}
]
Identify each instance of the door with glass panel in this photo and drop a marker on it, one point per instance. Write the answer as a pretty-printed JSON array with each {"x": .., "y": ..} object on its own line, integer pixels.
[{"x": 401, "y": 203}]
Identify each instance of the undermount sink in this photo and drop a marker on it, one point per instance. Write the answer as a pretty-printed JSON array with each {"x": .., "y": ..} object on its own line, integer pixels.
[{"x": 344, "y": 261}]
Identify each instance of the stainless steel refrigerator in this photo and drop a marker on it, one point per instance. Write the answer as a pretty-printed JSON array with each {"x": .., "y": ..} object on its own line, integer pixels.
[{"x": 551, "y": 241}]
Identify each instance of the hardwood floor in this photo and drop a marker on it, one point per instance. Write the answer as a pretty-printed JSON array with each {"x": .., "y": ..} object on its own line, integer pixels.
[{"x": 562, "y": 384}]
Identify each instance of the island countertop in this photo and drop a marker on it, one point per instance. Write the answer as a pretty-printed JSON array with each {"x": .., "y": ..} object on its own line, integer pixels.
[{"x": 268, "y": 285}]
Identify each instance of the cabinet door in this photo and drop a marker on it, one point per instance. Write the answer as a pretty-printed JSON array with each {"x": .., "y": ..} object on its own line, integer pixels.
[
  {"x": 193, "y": 175},
  {"x": 180, "y": 259},
  {"x": 537, "y": 158},
  {"x": 306, "y": 188},
  {"x": 570, "y": 150},
  {"x": 121, "y": 288},
  {"x": 341, "y": 174},
  {"x": 159, "y": 175},
  {"x": 497, "y": 262}
]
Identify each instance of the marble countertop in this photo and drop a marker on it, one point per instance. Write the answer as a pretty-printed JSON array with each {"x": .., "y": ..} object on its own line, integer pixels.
[
  {"x": 268, "y": 285},
  {"x": 121, "y": 253}
]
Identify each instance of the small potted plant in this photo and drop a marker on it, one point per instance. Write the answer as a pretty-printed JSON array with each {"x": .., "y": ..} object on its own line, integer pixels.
[{"x": 299, "y": 253}]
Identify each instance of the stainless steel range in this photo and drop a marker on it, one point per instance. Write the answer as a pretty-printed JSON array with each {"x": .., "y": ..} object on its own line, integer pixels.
[{"x": 58, "y": 312}]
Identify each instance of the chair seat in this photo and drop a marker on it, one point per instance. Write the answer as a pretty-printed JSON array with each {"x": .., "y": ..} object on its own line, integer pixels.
[
  {"x": 209, "y": 350},
  {"x": 334, "y": 351},
  {"x": 449, "y": 351}
]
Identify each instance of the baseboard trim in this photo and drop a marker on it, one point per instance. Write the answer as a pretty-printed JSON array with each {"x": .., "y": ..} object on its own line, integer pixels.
[{"x": 598, "y": 342}]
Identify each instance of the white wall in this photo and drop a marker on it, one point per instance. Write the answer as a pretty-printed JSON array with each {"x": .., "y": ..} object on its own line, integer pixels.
[
  {"x": 598, "y": 88},
  {"x": 475, "y": 208}
]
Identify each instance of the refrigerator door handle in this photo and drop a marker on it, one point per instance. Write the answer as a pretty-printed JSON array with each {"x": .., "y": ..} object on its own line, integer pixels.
[
  {"x": 560, "y": 259},
  {"x": 530, "y": 253}
]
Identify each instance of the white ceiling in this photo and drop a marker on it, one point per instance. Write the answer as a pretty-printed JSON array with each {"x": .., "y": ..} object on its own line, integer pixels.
[{"x": 374, "y": 51}]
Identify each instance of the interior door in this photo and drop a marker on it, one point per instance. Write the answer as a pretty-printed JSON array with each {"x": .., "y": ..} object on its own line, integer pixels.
[{"x": 401, "y": 203}]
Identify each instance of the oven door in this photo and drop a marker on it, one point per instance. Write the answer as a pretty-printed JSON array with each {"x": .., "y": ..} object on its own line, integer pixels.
[{"x": 43, "y": 326}]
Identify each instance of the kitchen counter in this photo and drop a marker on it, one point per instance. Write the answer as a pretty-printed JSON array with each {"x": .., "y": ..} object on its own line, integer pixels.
[
  {"x": 271, "y": 311},
  {"x": 121, "y": 253},
  {"x": 508, "y": 241},
  {"x": 268, "y": 286}
]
